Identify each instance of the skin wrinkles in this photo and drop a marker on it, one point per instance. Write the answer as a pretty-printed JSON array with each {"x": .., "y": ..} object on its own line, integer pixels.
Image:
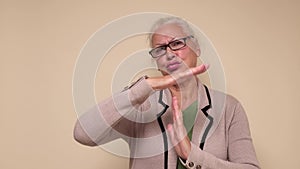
[{"x": 185, "y": 57}]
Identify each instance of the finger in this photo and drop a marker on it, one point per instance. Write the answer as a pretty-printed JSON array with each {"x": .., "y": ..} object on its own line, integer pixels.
[
  {"x": 200, "y": 69},
  {"x": 171, "y": 132},
  {"x": 179, "y": 130},
  {"x": 177, "y": 114},
  {"x": 190, "y": 72},
  {"x": 175, "y": 133},
  {"x": 173, "y": 138},
  {"x": 182, "y": 146},
  {"x": 175, "y": 108}
]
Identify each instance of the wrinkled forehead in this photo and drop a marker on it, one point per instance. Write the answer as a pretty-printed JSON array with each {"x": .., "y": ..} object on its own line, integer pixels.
[{"x": 167, "y": 31}]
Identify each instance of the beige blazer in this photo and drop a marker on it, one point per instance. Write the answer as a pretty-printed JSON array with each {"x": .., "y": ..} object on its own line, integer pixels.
[{"x": 221, "y": 137}]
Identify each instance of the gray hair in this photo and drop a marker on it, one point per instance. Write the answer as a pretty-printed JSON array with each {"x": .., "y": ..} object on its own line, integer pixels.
[{"x": 171, "y": 20}]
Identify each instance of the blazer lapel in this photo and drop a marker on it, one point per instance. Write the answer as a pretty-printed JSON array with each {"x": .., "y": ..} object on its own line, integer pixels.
[{"x": 204, "y": 120}]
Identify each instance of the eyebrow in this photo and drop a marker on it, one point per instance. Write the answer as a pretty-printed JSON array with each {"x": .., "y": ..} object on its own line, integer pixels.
[{"x": 162, "y": 44}]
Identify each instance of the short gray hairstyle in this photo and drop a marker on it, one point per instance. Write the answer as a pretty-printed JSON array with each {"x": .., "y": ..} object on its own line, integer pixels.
[{"x": 171, "y": 20}]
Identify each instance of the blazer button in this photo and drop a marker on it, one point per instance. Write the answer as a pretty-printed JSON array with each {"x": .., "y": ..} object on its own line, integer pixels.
[
  {"x": 198, "y": 167},
  {"x": 191, "y": 164}
]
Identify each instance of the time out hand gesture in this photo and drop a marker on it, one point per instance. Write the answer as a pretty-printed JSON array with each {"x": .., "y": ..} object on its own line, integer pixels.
[
  {"x": 167, "y": 81},
  {"x": 178, "y": 132}
]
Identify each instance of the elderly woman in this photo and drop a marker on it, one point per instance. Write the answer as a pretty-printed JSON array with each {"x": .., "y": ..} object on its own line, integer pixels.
[{"x": 167, "y": 121}]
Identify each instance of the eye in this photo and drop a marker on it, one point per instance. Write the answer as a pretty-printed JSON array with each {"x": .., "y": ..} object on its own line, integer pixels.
[
  {"x": 177, "y": 43},
  {"x": 160, "y": 49}
]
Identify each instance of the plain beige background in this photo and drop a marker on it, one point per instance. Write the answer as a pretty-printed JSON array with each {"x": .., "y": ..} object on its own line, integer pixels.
[{"x": 258, "y": 42}]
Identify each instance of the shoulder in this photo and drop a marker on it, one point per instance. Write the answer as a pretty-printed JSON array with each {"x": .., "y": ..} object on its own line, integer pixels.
[
  {"x": 227, "y": 105},
  {"x": 219, "y": 97}
]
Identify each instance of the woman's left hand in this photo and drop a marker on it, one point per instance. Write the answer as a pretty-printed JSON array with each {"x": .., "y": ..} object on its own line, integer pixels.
[{"x": 178, "y": 132}]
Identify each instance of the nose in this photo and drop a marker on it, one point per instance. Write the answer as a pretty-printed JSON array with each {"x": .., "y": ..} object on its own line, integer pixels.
[{"x": 170, "y": 54}]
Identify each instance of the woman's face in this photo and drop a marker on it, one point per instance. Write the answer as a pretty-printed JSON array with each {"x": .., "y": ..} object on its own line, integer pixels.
[{"x": 174, "y": 61}]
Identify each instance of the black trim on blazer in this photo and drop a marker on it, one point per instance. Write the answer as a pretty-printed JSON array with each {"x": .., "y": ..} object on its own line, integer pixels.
[
  {"x": 161, "y": 125},
  {"x": 210, "y": 118},
  {"x": 162, "y": 128},
  {"x": 162, "y": 103}
]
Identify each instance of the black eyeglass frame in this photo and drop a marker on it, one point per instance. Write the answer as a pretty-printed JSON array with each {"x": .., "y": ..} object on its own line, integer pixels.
[{"x": 168, "y": 45}]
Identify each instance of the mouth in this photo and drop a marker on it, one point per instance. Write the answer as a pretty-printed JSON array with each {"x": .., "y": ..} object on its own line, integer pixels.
[{"x": 173, "y": 66}]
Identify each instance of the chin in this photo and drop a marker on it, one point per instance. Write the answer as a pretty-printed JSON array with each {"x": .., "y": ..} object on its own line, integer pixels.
[{"x": 163, "y": 72}]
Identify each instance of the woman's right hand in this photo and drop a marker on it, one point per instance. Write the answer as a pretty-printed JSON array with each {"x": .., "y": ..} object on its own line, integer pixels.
[{"x": 163, "y": 82}]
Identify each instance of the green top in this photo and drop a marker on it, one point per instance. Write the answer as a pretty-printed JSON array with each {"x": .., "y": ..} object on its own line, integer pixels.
[{"x": 189, "y": 115}]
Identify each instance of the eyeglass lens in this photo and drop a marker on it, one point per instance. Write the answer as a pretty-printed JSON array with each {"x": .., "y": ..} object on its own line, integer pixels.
[{"x": 174, "y": 45}]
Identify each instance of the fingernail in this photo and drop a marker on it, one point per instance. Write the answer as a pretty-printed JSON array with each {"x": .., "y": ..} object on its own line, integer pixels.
[{"x": 206, "y": 66}]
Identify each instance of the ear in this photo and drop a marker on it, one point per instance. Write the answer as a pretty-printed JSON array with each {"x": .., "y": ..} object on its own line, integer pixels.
[
  {"x": 198, "y": 51},
  {"x": 196, "y": 47}
]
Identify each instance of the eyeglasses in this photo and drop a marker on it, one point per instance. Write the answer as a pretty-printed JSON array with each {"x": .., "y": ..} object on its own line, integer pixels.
[{"x": 173, "y": 45}]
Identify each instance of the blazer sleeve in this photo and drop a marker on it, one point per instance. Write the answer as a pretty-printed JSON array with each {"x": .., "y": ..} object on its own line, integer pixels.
[
  {"x": 112, "y": 118},
  {"x": 240, "y": 150}
]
